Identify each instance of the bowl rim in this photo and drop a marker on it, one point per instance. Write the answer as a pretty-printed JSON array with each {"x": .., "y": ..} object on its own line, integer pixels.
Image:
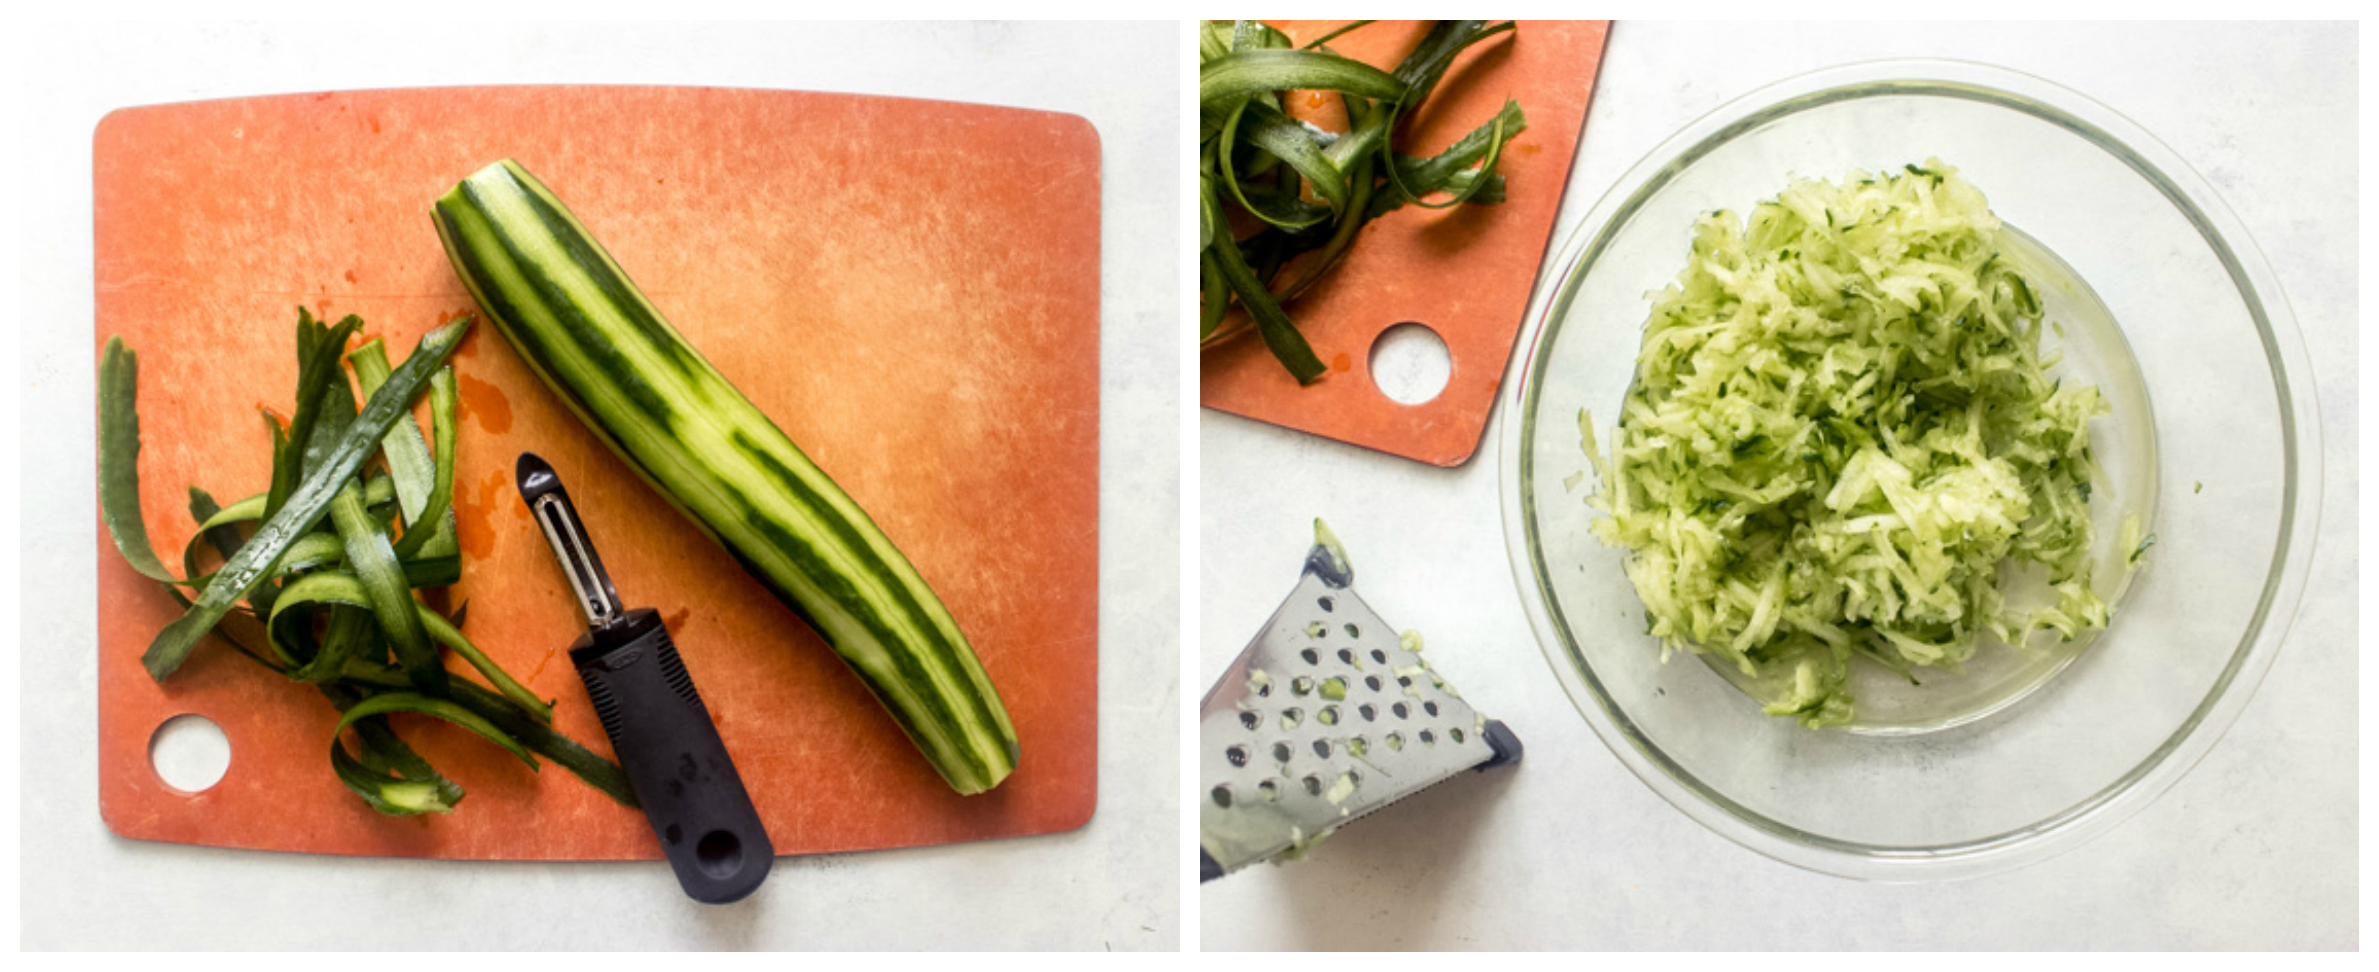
[{"x": 2258, "y": 288}]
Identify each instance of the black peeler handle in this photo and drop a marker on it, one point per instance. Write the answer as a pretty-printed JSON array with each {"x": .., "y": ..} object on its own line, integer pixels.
[{"x": 674, "y": 758}]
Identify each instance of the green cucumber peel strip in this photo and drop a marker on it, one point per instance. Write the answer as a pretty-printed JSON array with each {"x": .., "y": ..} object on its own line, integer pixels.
[
  {"x": 424, "y": 485},
  {"x": 449, "y": 634},
  {"x": 402, "y": 796},
  {"x": 1275, "y": 133},
  {"x": 251, "y": 565},
  {"x": 596, "y": 771},
  {"x": 370, "y": 557},
  {"x": 1279, "y": 333},
  {"x": 119, "y": 458},
  {"x": 383, "y": 703},
  {"x": 318, "y": 369},
  {"x": 1494, "y": 153},
  {"x": 340, "y": 588},
  {"x": 1245, "y": 74},
  {"x": 391, "y": 602},
  {"x": 1450, "y": 170},
  {"x": 439, "y": 539},
  {"x": 225, "y": 539},
  {"x": 419, "y": 787}
]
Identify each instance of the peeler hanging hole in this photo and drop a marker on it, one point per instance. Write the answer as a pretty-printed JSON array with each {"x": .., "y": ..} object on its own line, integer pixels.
[
  {"x": 719, "y": 854},
  {"x": 1410, "y": 364},
  {"x": 190, "y": 753}
]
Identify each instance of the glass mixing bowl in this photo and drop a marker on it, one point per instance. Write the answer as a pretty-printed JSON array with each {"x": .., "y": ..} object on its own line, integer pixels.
[{"x": 2213, "y": 443}]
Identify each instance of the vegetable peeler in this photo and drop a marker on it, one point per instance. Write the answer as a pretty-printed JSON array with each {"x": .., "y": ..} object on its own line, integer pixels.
[
  {"x": 658, "y": 725},
  {"x": 1326, "y": 716}
]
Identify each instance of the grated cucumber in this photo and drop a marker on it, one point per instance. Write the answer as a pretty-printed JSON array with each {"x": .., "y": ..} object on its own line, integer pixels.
[{"x": 1842, "y": 439}]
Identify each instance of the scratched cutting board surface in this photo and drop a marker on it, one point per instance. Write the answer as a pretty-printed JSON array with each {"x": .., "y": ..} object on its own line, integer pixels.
[
  {"x": 1465, "y": 273},
  {"x": 909, "y": 288}
]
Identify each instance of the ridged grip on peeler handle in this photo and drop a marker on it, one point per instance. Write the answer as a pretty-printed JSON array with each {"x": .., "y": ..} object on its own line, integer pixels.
[{"x": 674, "y": 758}]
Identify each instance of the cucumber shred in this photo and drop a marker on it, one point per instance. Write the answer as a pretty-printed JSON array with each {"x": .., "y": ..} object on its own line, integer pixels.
[{"x": 1842, "y": 439}]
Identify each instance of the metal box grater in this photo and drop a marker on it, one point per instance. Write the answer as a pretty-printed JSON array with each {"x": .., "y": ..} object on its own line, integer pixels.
[{"x": 1326, "y": 716}]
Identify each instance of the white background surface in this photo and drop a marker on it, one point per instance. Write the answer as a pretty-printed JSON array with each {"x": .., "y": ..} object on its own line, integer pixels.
[
  {"x": 1112, "y": 884},
  {"x": 2256, "y": 848}
]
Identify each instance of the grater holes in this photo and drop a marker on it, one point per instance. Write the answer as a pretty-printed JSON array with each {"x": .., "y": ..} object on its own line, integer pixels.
[
  {"x": 1401, "y": 711},
  {"x": 1321, "y": 748},
  {"x": 1222, "y": 796},
  {"x": 1313, "y": 785},
  {"x": 1404, "y": 681},
  {"x": 1347, "y": 657},
  {"x": 1328, "y": 716},
  {"x": 1250, "y": 719},
  {"x": 1396, "y": 741},
  {"x": 1270, "y": 790},
  {"x": 1455, "y": 735},
  {"x": 1237, "y": 755},
  {"x": 1311, "y": 657},
  {"x": 1326, "y": 604},
  {"x": 1429, "y": 707},
  {"x": 1290, "y": 717},
  {"x": 1280, "y": 753},
  {"x": 1303, "y": 686},
  {"x": 1352, "y": 631},
  {"x": 1427, "y": 738},
  {"x": 1369, "y": 712},
  {"x": 1371, "y": 682},
  {"x": 1334, "y": 688},
  {"x": 1359, "y": 747}
]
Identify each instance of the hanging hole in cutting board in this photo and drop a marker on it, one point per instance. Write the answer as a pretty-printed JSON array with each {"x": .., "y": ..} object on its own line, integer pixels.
[
  {"x": 190, "y": 753},
  {"x": 1410, "y": 364}
]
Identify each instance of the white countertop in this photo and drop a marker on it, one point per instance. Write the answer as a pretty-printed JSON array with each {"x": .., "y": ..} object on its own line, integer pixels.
[
  {"x": 1112, "y": 884},
  {"x": 2254, "y": 849}
]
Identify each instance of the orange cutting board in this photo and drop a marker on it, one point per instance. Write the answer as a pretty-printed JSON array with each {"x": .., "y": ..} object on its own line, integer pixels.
[
  {"x": 1465, "y": 273},
  {"x": 909, "y": 288}
]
